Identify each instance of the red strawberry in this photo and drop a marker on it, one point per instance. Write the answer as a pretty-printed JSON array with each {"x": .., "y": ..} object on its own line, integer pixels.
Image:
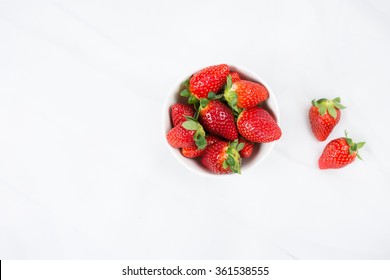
[
  {"x": 217, "y": 118},
  {"x": 223, "y": 157},
  {"x": 178, "y": 111},
  {"x": 208, "y": 79},
  {"x": 339, "y": 153},
  {"x": 324, "y": 115},
  {"x": 179, "y": 137},
  {"x": 247, "y": 149},
  {"x": 187, "y": 134},
  {"x": 257, "y": 125},
  {"x": 194, "y": 151},
  {"x": 235, "y": 76},
  {"x": 244, "y": 94}
]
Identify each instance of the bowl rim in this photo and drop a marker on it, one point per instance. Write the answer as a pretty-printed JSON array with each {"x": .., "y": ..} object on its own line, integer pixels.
[{"x": 166, "y": 118}]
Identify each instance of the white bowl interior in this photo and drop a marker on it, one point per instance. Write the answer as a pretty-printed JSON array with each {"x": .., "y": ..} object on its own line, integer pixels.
[{"x": 260, "y": 152}]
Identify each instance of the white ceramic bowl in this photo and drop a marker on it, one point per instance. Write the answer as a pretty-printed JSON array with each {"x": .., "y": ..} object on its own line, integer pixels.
[{"x": 260, "y": 152}]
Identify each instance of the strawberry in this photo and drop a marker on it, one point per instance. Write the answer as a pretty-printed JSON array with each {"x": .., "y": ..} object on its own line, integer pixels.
[
  {"x": 178, "y": 111},
  {"x": 187, "y": 134},
  {"x": 194, "y": 151},
  {"x": 223, "y": 157},
  {"x": 339, "y": 153},
  {"x": 244, "y": 94},
  {"x": 235, "y": 76},
  {"x": 209, "y": 79},
  {"x": 247, "y": 149},
  {"x": 324, "y": 115},
  {"x": 179, "y": 137},
  {"x": 257, "y": 125},
  {"x": 217, "y": 118}
]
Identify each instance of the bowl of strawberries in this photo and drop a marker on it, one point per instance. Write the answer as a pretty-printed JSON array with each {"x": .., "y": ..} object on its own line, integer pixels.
[{"x": 221, "y": 119}]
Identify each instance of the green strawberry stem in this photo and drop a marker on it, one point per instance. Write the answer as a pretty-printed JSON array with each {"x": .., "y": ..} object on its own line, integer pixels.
[
  {"x": 199, "y": 135},
  {"x": 212, "y": 96},
  {"x": 191, "y": 99},
  {"x": 185, "y": 93},
  {"x": 354, "y": 147},
  {"x": 326, "y": 105},
  {"x": 203, "y": 102},
  {"x": 231, "y": 96},
  {"x": 234, "y": 160},
  {"x": 186, "y": 83}
]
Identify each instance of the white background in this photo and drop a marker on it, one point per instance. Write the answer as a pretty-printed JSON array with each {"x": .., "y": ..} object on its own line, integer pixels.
[{"x": 85, "y": 172}]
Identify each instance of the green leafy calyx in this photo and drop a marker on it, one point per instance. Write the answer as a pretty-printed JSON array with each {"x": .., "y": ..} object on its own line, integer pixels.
[
  {"x": 230, "y": 95},
  {"x": 185, "y": 93},
  {"x": 204, "y": 102},
  {"x": 328, "y": 106},
  {"x": 354, "y": 147},
  {"x": 199, "y": 135},
  {"x": 233, "y": 160},
  {"x": 212, "y": 96},
  {"x": 186, "y": 83},
  {"x": 191, "y": 99}
]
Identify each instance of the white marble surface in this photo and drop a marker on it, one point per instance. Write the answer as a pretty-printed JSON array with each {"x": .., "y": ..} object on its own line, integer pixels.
[{"x": 82, "y": 177}]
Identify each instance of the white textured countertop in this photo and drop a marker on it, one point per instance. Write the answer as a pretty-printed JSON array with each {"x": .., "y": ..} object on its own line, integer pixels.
[{"x": 84, "y": 170}]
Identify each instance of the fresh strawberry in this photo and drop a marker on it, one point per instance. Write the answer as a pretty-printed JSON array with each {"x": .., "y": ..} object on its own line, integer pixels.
[
  {"x": 178, "y": 111},
  {"x": 244, "y": 94},
  {"x": 235, "y": 76},
  {"x": 257, "y": 125},
  {"x": 324, "y": 115},
  {"x": 187, "y": 134},
  {"x": 339, "y": 153},
  {"x": 247, "y": 149},
  {"x": 223, "y": 157},
  {"x": 210, "y": 79},
  {"x": 217, "y": 118},
  {"x": 179, "y": 137},
  {"x": 194, "y": 151}
]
